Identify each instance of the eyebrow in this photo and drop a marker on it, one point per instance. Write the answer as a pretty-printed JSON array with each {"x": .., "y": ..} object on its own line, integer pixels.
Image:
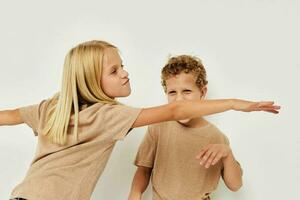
[
  {"x": 116, "y": 65},
  {"x": 113, "y": 66},
  {"x": 180, "y": 89},
  {"x": 171, "y": 90}
]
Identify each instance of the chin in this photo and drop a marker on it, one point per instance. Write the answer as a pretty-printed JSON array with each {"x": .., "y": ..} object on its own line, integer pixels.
[
  {"x": 128, "y": 93},
  {"x": 125, "y": 94}
]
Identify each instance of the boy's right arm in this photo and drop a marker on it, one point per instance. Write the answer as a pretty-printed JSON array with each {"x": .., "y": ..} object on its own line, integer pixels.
[
  {"x": 10, "y": 117},
  {"x": 140, "y": 182}
]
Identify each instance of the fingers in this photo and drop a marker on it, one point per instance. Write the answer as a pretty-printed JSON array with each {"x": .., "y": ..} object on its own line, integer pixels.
[
  {"x": 271, "y": 111},
  {"x": 266, "y": 103},
  {"x": 276, "y": 107},
  {"x": 212, "y": 154},
  {"x": 269, "y": 108},
  {"x": 266, "y": 106},
  {"x": 206, "y": 157},
  {"x": 202, "y": 152},
  {"x": 216, "y": 159},
  {"x": 210, "y": 159}
]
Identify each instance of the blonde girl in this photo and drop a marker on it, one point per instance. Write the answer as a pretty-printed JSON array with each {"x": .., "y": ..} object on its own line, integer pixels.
[{"x": 78, "y": 127}]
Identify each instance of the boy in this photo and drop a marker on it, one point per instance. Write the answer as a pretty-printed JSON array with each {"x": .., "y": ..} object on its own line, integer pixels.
[{"x": 168, "y": 151}]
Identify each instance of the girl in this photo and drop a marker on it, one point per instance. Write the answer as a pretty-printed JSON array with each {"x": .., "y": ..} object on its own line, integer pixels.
[{"x": 78, "y": 127}]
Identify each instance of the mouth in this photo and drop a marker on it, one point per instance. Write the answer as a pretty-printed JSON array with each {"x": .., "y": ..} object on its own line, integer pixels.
[{"x": 127, "y": 81}]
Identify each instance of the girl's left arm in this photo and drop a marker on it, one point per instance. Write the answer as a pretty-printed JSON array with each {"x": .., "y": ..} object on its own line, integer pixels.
[{"x": 10, "y": 117}]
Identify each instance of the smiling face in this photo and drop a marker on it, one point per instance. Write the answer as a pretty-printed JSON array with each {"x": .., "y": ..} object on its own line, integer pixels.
[
  {"x": 114, "y": 79},
  {"x": 183, "y": 87}
]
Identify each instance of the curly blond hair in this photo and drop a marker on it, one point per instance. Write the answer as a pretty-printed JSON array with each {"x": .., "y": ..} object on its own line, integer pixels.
[{"x": 187, "y": 64}]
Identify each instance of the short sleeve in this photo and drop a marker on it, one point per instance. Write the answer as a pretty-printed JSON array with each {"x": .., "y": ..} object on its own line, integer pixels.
[
  {"x": 226, "y": 139},
  {"x": 31, "y": 116},
  {"x": 146, "y": 153},
  {"x": 118, "y": 120}
]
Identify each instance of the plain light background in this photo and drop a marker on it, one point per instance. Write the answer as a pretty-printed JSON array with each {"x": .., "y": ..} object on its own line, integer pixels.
[{"x": 250, "y": 50}]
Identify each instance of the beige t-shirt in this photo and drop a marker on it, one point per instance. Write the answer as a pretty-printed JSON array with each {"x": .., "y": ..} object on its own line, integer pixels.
[
  {"x": 170, "y": 149},
  {"x": 70, "y": 172}
]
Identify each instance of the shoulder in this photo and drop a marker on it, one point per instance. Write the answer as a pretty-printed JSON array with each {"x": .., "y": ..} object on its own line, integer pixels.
[
  {"x": 117, "y": 108},
  {"x": 217, "y": 134},
  {"x": 35, "y": 109},
  {"x": 162, "y": 126},
  {"x": 155, "y": 130},
  {"x": 109, "y": 110}
]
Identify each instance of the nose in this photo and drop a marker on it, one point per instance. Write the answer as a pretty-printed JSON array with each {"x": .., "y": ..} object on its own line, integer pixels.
[
  {"x": 179, "y": 97},
  {"x": 124, "y": 74}
]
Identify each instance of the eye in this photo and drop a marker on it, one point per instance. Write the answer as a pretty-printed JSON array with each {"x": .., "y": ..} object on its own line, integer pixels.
[
  {"x": 114, "y": 71},
  {"x": 122, "y": 66},
  {"x": 187, "y": 91},
  {"x": 171, "y": 92}
]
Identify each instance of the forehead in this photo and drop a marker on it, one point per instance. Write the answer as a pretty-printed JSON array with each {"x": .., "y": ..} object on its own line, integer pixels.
[
  {"x": 111, "y": 57},
  {"x": 182, "y": 80}
]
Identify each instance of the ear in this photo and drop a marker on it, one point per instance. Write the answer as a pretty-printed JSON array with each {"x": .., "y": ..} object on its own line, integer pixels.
[{"x": 203, "y": 92}]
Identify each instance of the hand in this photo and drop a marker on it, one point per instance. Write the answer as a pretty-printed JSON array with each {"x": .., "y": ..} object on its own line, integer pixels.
[
  {"x": 212, "y": 153},
  {"x": 249, "y": 106}
]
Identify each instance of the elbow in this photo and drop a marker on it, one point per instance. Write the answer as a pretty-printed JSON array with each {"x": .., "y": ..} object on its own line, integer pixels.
[{"x": 235, "y": 187}]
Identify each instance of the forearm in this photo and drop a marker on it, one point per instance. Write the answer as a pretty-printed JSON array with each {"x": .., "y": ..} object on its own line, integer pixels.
[
  {"x": 232, "y": 173},
  {"x": 139, "y": 184},
  {"x": 10, "y": 117},
  {"x": 196, "y": 108}
]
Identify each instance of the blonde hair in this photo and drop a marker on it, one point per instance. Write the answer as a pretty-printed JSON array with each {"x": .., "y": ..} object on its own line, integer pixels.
[
  {"x": 80, "y": 86},
  {"x": 187, "y": 64}
]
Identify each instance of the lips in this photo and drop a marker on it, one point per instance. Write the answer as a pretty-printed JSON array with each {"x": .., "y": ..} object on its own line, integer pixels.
[{"x": 126, "y": 82}]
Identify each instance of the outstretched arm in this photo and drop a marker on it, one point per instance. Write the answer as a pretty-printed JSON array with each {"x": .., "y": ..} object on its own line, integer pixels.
[
  {"x": 140, "y": 182},
  {"x": 179, "y": 110},
  {"x": 10, "y": 117}
]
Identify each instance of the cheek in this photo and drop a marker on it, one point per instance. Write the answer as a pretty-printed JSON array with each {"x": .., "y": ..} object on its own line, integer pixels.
[
  {"x": 104, "y": 84},
  {"x": 192, "y": 96},
  {"x": 188, "y": 97},
  {"x": 108, "y": 85},
  {"x": 171, "y": 98}
]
